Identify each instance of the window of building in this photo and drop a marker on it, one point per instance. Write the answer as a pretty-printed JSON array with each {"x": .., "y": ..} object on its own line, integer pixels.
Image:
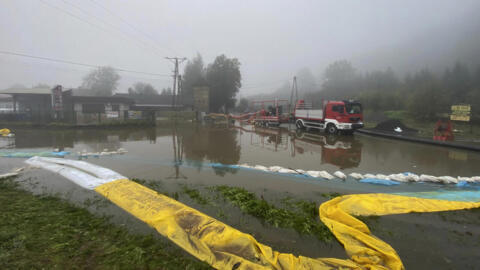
[
  {"x": 115, "y": 107},
  {"x": 93, "y": 108}
]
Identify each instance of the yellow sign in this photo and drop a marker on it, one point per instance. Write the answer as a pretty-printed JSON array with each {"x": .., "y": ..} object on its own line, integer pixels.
[
  {"x": 461, "y": 108},
  {"x": 460, "y": 113},
  {"x": 465, "y": 118}
]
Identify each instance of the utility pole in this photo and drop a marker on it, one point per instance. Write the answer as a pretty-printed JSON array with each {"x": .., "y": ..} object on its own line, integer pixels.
[
  {"x": 180, "y": 89},
  {"x": 176, "y": 61},
  {"x": 294, "y": 91}
]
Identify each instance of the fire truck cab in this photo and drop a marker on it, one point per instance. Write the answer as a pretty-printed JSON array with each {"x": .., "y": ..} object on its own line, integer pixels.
[{"x": 334, "y": 116}]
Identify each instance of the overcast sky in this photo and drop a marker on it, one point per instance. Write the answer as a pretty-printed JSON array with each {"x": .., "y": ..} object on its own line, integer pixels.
[{"x": 272, "y": 39}]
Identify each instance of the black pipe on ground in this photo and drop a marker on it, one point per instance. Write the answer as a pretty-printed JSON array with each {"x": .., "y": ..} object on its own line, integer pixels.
[{"x": 419, "y": 140}]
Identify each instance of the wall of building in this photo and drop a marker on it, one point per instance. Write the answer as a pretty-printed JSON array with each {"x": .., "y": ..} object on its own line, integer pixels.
[
  {"x": 6, "y": 106},
  {"x": 201, "y": 99},
  {"x": 35, "y": 108},
  {"x": 110, "y": 114}
]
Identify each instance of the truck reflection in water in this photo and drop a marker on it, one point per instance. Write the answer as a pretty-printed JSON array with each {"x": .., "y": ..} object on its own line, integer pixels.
[
  {"x": 342, "y": 151},
  {"x": 272, "y": 139},
  {"x": 94, "y": 139}
]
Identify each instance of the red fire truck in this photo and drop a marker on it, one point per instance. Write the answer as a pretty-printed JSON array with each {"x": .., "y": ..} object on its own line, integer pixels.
[{"x": 332, "y": 117}]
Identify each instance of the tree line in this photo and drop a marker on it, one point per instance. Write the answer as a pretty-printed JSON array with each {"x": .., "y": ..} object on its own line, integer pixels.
[
  {"x": 222, "y": 76},
  {"x": 424, "y": 94},
  {"x": 103, "y": 81}
]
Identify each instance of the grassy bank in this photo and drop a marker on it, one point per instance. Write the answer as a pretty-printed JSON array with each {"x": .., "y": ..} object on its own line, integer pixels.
[
  {"x": 299, "y": 215},
  {"x": 302, "y": 216},
  {"x": 46, "y": 232}
]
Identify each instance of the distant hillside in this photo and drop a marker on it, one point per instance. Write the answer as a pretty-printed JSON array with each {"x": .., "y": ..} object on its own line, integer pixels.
[{"x": 437, "y": 49}]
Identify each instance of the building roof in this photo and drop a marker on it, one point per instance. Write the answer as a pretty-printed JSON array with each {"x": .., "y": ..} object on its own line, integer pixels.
[
  {"x": 39, "y": 91},
  {"x": 150, "y": 100},
  {"x": 100, "y": 99}
]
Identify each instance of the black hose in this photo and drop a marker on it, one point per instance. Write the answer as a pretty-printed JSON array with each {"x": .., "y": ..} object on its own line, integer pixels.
[{"x": 419, "y": 140}]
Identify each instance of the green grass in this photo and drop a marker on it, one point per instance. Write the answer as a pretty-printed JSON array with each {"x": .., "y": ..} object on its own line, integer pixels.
[
  {"x": 302, "y": 216},
  {"x": 49, "y": 233},
  {"x": 396, "y": 114},
  {"x": 331, "y": 195},
  {"x": 195, "y": 195}
]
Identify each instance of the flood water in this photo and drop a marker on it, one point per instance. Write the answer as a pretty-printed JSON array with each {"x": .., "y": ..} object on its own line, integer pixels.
[
  {"x": 184, "y": 154},
  {"x": 153, "y": 152}
]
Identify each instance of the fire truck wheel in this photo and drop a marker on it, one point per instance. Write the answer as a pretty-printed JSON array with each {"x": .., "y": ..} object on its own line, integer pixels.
[
  {"x": 299, "y": 124},
  {"x": 331, "y": 129}
]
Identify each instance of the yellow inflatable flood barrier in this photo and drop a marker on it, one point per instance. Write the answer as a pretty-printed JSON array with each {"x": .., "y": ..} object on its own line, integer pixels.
[
  {"x": 4, "y": 132},
  {"x": 225, "y": 247},
  {"x": 204, "y": 237}
]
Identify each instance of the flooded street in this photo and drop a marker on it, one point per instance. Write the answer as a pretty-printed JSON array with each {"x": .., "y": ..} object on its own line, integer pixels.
[
  {"x": 153, "y": 152},
  {"x": 182, "y": 158}
]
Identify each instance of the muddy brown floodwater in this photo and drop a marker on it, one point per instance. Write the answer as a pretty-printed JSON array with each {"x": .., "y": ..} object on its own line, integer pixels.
[{"x": 179, "y": 158}]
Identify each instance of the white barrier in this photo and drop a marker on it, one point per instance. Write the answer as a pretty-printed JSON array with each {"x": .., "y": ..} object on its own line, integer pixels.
[
  {"x": 105, "y": 152},
  {"x": 84, "y": 174},
  {"x": 399, "y": 177}
]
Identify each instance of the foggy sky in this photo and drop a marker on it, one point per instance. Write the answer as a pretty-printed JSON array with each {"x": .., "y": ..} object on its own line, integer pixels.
[{"x": 272, "y": 39}]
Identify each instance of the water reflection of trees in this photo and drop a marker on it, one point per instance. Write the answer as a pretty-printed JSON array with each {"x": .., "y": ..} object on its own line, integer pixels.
[
  {"x": 36, "y": 138},
  {"x": 217, "y": 145},
  {"x": 97, "y": 139}
]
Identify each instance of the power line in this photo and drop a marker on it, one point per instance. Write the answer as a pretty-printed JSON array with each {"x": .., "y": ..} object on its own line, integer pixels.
[
  {"x": 86, "y": 21},
  {"x": 70, "y": 14},
  {"x": 130, "y": 25},
  {"x": 80, "y": 64},
  {"x": 109, "y": 24}
]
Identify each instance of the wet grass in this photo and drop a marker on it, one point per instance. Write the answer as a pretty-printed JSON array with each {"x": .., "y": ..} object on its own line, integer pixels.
[
  {"x": 300, "y": 215},
  {"x": 195, "y": 195},
  {"x": 304, "y": 219},
  {"x": 38, "y": 232},
  {"x": 331, "y": 195},
  {"x": 157, "y": 186}
]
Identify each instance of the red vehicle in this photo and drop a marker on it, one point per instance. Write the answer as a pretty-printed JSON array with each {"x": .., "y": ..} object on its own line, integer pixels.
[
  {"x": 272, "y": 115},
  {"x": 334, "y": 116},
  {"x": 443, "y": 130}
]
